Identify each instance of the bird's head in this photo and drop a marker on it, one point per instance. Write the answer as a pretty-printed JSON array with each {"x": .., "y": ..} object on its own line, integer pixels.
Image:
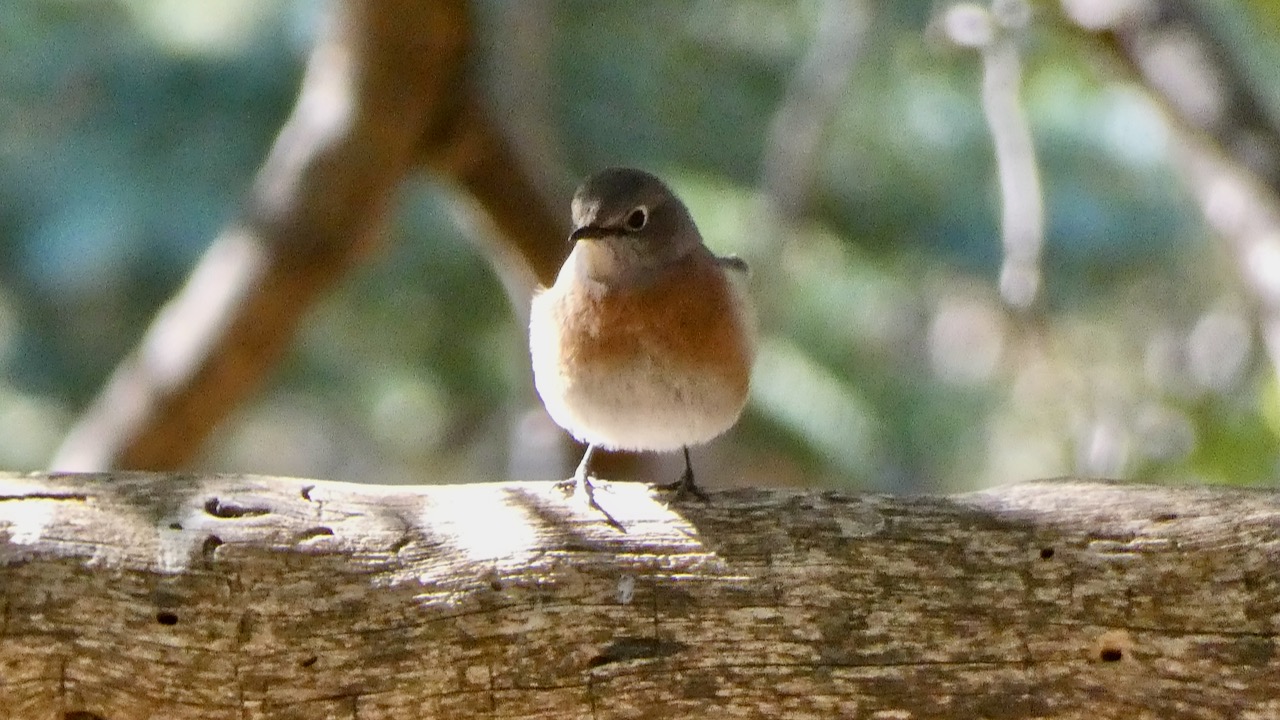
[{"x": 628, "y": 225}]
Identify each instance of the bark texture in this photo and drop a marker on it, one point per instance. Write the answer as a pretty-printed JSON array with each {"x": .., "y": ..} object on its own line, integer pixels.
[{"x": 161, "y": 596}]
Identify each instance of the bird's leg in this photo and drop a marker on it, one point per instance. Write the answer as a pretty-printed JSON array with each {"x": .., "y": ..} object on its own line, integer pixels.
[
  {"x": 582, "y": 476},
  {"x": 685, "y": 485},
  {"x": 580, "y": 484},
  {"x": 581, "y": 480}
]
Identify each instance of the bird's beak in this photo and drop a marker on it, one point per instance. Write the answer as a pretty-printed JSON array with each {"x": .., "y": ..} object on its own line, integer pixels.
[{"x": 587, "y": 232}]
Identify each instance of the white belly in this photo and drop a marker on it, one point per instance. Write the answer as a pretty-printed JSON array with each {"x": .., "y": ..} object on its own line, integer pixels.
[
  {"x": 642, "y": 402},
  {"x": 637, "y": 406}
]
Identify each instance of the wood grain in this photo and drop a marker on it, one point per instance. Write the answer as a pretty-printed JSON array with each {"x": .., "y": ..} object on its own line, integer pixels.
[{"x": 140, "y": 596}]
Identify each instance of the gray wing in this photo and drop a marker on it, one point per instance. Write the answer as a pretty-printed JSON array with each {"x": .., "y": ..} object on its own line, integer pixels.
[{"x": 734, "y": 263}]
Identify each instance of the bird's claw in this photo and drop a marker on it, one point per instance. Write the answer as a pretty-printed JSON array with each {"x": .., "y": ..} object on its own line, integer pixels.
[
  {"x": 682, "y": 488},
  {"x": 581, "y": 485}
]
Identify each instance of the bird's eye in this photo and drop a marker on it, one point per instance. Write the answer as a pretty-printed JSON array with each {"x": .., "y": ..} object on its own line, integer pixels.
[{"x": 638, "y": 219}]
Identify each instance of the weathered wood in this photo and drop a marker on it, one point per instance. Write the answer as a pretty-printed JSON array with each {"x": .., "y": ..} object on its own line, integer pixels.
[{"x": 163, "y": 596}]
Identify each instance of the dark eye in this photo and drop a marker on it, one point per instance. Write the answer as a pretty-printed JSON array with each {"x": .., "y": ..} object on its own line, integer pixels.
[{"x": 638, "y": 219}]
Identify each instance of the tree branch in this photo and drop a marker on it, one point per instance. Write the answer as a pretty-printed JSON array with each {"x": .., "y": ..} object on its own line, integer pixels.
[
  {"x": 1185, "y": 56},
  {"x": 1226, "y": 143},
  {"x": 387, "y": 90},
  {"x": 129, "y": 596}
]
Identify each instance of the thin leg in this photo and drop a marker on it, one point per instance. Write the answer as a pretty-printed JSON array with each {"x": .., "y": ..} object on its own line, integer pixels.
[
  {"x": 581, "y": 485},
  {"x": 582, "y": 476},
  {"x": 685, "y": 485},
  {"x": 581, "y": 480}
]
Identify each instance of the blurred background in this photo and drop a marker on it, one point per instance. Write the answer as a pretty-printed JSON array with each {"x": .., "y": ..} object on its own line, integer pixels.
[{"x": 936, "y": 315}]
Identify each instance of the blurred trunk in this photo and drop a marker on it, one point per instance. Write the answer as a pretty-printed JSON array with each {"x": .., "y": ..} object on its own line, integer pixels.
[{"x": 386, "y": 93}]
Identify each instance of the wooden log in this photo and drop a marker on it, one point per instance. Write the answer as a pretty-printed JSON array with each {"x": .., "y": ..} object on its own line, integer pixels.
[{"x": 183, "y": 596}]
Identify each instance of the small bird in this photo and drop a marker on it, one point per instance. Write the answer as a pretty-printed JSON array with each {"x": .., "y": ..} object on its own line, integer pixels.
[{"x": 646, "y": 339}]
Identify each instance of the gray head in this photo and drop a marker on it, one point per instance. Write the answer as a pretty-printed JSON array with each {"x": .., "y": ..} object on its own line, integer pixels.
[{"x": 631, "y": 224}]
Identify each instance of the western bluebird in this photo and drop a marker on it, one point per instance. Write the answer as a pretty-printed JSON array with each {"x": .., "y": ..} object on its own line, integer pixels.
[{"x": 646, "y": 339}]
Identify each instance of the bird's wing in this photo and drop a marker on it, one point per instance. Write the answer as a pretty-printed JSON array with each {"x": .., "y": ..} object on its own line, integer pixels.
[{"x": 734, "y": 263}]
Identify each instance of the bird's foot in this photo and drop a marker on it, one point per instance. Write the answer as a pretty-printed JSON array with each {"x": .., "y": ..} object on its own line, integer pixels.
[
  {"x": 580, "y": 485},
  {"x": 568, "y": 487},
  {"x": 683, "y": 488}
]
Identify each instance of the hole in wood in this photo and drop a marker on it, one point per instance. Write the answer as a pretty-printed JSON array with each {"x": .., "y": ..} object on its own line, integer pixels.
[
  {"x": 636, "y": 648},
  {"x": 226, "y": 510},
  {"x": 309, "y": 661},
  {"x": 211, "y": 544},
  {"x": 306, "y": 492},
  {"x": 81, "y": 715},
  {"x": 166, "y": 618},
  {"x": 1046, "y": 553},
  {"x": 1113, "y": 646},
  {"x": 315, "y": 532},
  {"x": 175, "y": 526}
]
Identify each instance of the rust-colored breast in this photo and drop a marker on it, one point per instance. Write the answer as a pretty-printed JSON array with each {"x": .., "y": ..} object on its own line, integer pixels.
[{"x": 686, "y": 321}]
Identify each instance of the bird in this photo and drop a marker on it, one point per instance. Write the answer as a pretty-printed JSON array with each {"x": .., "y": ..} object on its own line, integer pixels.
[{"x": 646, "y": 339}]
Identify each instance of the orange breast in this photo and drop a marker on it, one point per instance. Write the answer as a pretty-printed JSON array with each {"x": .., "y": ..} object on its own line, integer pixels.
[{"x": 686, "y": 321}]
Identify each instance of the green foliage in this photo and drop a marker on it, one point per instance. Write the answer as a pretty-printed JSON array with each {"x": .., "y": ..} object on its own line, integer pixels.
[{"x": 130, "y": 131}]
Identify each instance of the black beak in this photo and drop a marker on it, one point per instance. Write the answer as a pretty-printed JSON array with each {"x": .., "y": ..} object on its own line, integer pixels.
[{"x": 587, "y": 232}]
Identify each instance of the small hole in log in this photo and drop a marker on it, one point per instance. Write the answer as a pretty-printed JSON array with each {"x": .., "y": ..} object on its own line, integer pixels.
[
  {"x": 495, "y": 585},
  {"x": 1046, "y": 553},
  {"x": 219, "y": 509},
  {"x": 637, "y": 648},
  {"x": 1112, "y": 646},
  {"x": 81, "y": 715},
  {"x": 309, "y": 661},
  {"x": 210, "y": 546},
  {"x": 315, "y": 532},
  {"x": 175, "y": 526},
  {"x": 166, "y": 618},
  {"x": 306, "y": 492}
]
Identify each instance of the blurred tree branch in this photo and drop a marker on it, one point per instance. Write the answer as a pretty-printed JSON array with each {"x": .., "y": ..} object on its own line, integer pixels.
[
  {"x": 996, "y": 32},
  {"x": 1184, "y": 55},
  {"x": 1022, "y": 204},
  {"x": 792, "y": 153},
  {"x": 1230, "y": 144},
  {"x": 386, "y": 92}
]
